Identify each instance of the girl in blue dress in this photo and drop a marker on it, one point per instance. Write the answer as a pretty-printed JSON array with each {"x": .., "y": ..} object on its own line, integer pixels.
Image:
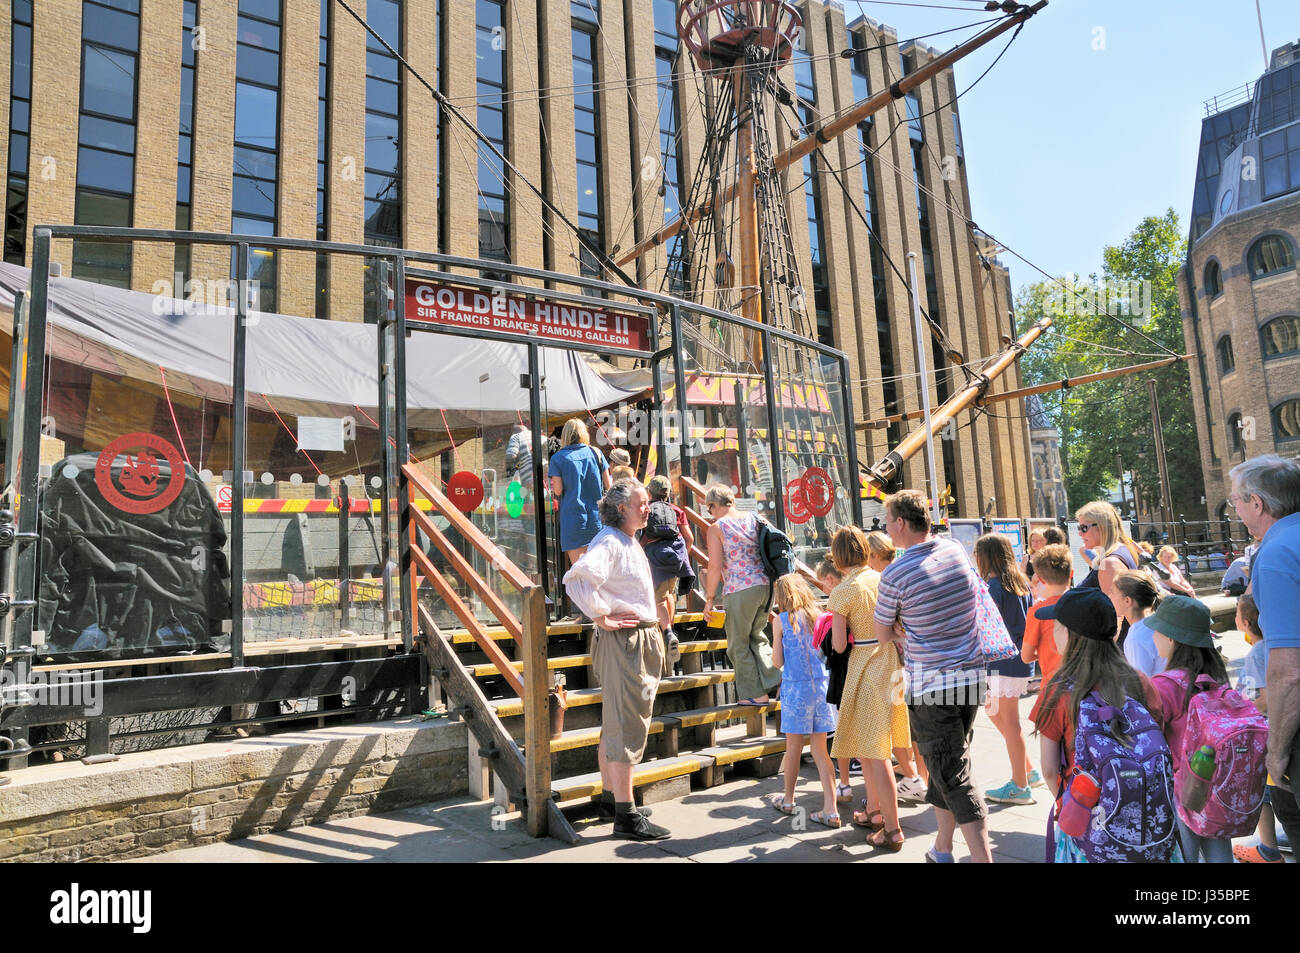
[{"x": 805, "y": 712}]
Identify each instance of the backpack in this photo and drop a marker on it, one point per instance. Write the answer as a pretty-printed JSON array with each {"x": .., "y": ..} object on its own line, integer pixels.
[
  {"x": 775, "y": 551},
  {"x": 661, "y": 521},
  {"x": 1134, "y": 821},
  {"x": 1220, "y": 717}
]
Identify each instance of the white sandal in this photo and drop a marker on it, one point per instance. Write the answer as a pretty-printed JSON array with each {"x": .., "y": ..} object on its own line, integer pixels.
[{"x": 843, "y": 793}]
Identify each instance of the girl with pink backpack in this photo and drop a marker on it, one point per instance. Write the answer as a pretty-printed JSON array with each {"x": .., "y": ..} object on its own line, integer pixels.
[{"x": 1199, "y": 711}]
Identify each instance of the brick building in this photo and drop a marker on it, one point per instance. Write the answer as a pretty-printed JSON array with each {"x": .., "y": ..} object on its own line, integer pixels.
[
  {"x": 283, "y": 117},
  {"x": 1239, "y": 291}
]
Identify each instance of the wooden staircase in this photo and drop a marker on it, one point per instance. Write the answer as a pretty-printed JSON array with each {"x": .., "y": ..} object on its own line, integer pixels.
[{"x": 499, "y": 679}]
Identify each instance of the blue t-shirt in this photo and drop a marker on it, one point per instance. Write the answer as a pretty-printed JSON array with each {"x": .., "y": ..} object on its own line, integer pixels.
[
  {"x": 1140, "y": 649},
  {"x": 1014, "y": 609},
  {"x": 1254, "y": 671},
  {"x": 1275, "y": 583},
  {"x": 579, "y": 467}
]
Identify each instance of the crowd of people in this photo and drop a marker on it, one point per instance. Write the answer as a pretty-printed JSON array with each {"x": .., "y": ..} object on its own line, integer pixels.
[{"x": 916, "y": 637}]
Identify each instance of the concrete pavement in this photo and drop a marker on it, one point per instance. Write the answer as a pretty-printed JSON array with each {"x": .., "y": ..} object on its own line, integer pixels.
[{"x": 725, "y": 824}]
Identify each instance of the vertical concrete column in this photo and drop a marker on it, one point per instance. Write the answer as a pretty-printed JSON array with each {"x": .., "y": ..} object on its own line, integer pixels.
[
  {"x": 419, "y": 139},
  {"x": 296, "y": 191},
  {"x": 213, "y": 139},
  {"x": 158, "y": 109},
  {"x": 52, "y": 166},
  {"x": 900, "y": 233},
  {"x": 617, "y": 120},
  {"x": 554, "y": 33},
  {"x": 460, "y": 150},
  {"x": 947, "y": 232},
  {"x": 345, "y": 196},
  {"x": 523, "y": 126},
  {"x": 647, "y": 157}
]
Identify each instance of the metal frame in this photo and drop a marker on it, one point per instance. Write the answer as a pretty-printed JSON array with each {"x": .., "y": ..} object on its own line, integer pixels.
[{"x": 244, "y": 685}]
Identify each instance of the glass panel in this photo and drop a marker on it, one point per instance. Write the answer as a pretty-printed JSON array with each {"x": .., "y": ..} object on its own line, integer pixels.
[
  {"x": 111, "y": 27},
  {"x": 106, "y": 134},
  {"x": 108, "y": 83},
  {"x": 260, "y": 66},
  {"x": 255, "y": 115},
  {"x": 813, "y": 435},
  {"x": 477, "y": 433},
  {"x": 312, "y": 440},
  {"x": 138, "y": 424}
]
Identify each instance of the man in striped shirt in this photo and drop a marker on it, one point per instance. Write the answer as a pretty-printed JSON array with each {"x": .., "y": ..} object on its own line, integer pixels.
[{"x": 927, "y": 600}]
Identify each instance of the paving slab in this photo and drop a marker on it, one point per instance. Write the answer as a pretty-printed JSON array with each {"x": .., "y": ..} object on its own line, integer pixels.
[{"x": 725, "y": 824}]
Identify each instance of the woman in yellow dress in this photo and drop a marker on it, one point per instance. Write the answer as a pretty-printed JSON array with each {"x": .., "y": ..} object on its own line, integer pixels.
[{"x": 872, "y": 717}]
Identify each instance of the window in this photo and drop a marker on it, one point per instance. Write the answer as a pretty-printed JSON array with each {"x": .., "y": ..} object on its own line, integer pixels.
[
  {"x": 586, "y": 121},
  {"x": 858, "y": 66},
  {"x": 383, "y": 203},
  {"x": 1269, "y": 256},
  {"x": 676, "y": 280},
  {"x": 665, "y": 12},
  {"x": 493, "y": 213},
  {"x": 1234, "y": 433},
  {"x": 1279, "y": 97},
  {"x": 20, "y": 107},
  {"x": 1280, "y": 156},
  {"x": 1280, "y": 336},
  {"x": 1213, "y": 280},
  {"x": 1286, "y": 420},
  {"x": 185, "y": 141},
  {"x": 884, "y": 333},
  {"x": 1226, "y": 362},
  {"x": 106, "y": 134},
  {"x": 322, "y": 160},
  {"x": 257, "y": 137},
  {"x": 817, "y": 240}
]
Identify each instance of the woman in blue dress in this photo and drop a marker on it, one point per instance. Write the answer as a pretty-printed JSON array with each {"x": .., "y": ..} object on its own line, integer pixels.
[
  {"x": 579, "y": 477},
  {"x": 805, "y": 713}
]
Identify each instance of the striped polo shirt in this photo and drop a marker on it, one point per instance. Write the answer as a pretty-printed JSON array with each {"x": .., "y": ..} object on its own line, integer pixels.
[{"x": 933, "y": 591}]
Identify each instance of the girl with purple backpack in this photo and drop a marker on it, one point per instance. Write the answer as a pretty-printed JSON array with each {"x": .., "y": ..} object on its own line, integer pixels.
[
  {"x": 1181, "y": 629},
  {"x": 1093, "y": 683}
]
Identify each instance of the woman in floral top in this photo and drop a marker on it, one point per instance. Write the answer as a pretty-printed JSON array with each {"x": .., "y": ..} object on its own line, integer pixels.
[{"x": 746, "y": 593}]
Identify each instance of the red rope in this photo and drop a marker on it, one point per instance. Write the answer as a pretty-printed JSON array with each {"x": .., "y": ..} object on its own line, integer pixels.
[
  {"x": 375, "y": 423},
  {"x": 454, "y": 448},
  {"x": 292, "y": 434},
  {"x": 168, "y": 394}
]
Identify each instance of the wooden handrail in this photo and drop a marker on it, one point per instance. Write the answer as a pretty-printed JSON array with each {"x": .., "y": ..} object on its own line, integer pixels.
[
  {"x": 467, "y": 573},
  {"x": 468, "y": 619},
  {"x": 463, "y": 525}
]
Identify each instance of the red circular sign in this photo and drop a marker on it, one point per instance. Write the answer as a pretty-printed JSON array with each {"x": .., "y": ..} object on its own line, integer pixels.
[
  {"x": 137, "y": 487},
  {"x": 465, "y": 490},
  {"x": 796, "y": 506},
  {"x": 818, "y": 491}
]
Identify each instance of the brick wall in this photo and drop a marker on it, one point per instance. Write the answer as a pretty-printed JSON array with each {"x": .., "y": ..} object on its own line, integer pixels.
[{"x": 152, "y": 802}]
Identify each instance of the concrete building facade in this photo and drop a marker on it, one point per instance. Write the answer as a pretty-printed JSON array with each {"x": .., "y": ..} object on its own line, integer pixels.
[
  {"x": 284, "y": 117},
  {"x": 1240, "y": 291}
]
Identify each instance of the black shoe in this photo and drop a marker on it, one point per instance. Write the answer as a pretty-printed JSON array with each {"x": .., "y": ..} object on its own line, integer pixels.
[
  {"x": 636, "y": 826},
  {"x": 605, "y": 806}
]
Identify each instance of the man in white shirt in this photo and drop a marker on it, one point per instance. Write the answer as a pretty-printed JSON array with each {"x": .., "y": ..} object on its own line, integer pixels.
[{"x": 611, "y": 584}]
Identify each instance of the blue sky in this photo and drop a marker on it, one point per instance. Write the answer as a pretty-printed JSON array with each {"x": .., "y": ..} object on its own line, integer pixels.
[{"x": 1067, "y": 146}]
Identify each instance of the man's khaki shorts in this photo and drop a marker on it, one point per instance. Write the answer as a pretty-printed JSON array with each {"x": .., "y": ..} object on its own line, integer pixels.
[{"x": 628, "y": 663}]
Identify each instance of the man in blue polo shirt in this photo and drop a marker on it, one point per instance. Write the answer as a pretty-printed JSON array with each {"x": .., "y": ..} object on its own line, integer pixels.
[{"x": 1266, "y": 495}]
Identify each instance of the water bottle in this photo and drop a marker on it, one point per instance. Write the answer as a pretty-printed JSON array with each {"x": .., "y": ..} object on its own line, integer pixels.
[
  {"x": 1195, "y": 788},
  {"x": 1076, "y": 806}
]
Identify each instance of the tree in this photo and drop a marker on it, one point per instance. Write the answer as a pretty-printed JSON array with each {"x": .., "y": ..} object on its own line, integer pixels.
[{"x": 1108, "y": 418}]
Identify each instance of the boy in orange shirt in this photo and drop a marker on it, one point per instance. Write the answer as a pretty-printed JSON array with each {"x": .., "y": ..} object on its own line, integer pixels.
[{"x": 1052, "y": 566}]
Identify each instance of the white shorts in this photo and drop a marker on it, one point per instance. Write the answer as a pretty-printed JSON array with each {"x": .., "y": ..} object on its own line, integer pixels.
[{"x": 1003, "y": 686}]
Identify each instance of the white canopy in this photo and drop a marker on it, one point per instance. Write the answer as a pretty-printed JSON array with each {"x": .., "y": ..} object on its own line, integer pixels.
[{"x": 301, "y": 365}]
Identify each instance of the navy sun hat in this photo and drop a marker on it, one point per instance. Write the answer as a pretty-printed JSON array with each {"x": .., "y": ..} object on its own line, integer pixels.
[
  {"x": 1184, "y": 620},
  {"x": 1088, "y": 612}
]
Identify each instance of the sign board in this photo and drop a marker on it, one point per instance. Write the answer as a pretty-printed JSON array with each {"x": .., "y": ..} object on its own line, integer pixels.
[
  {"x": 225, "y": 496},
  {"x": 966, "y": 532},
  {"x": 1081, "y": 564},
  {"x": 1014, "y": 533},
  {"x": 482, "y": 309}
]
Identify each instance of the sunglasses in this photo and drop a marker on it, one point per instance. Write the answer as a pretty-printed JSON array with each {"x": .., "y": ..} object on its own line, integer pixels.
[{"x": 1084, "y": 527}]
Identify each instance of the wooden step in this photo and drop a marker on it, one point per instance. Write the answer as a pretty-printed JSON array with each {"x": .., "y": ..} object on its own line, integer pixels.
[
  {"x": 743, "y": 749},
  {"x": 487, "y": 669},
  {"x": 590, "y": 737},
  {"x": 648, "y": 772},
  {"x": 512, "y": 707},
  {"x": 498, "y": 633}
]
